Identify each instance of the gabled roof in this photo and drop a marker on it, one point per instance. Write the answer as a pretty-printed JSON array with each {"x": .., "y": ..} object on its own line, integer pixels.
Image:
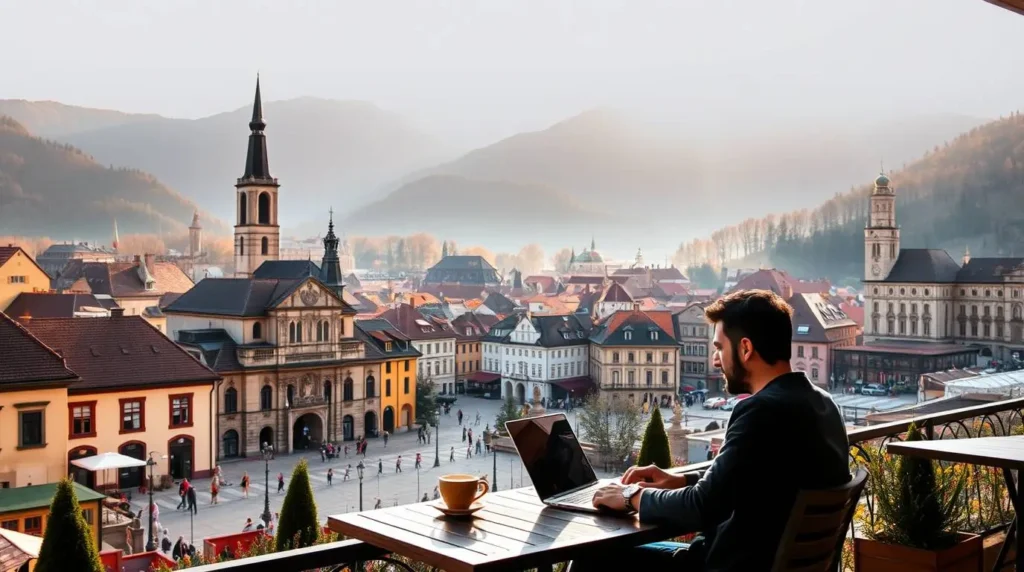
[
  {"x": 499, "y": 303},
  {"x": 615, "y": 293},
  {"x": 124, "y": 279},
  {"x": 478, "y": 325},
  {"x": 377, "y": 334},
  {"x": 53, "y": 305},
  {"x": 555, "y": 331},
  {"x": 641, "y": 324},
  {"x": 987, "y": 270},
  {"x": 670, "y": 273},
  {"x": 930, "y": 265},
  {"x": 458, "y": 262},
  {"x": 8, "y": 252},
  {"x": 242, "y": 297},
  {"x": 415, "y": 325},
  {"x": 25, "y": 359},
  {"x": 287, "y": 269},
  {"x": 119, "y": 352},
  {"x": 216, "y": 345},
  {"x": 814, "y": 315}
]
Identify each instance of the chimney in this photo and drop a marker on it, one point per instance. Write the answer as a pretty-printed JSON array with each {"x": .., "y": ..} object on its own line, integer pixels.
[
  {"x": 636, "y": 306},
  {"x": 117, "y": 312},
  {"x": 149, "y": 262}
]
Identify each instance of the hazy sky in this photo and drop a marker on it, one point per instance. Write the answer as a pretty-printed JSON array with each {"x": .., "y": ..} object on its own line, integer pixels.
[{"x": 488, "y": 68}]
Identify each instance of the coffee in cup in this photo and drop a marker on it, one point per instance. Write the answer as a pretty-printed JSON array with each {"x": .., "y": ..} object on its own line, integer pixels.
[{"x": 460, "y": 491}]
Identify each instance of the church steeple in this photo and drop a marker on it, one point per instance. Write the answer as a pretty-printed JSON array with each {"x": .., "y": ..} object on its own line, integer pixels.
[
  {"x": 330, "y": 266},
  {"x": 257, "y": 164}
]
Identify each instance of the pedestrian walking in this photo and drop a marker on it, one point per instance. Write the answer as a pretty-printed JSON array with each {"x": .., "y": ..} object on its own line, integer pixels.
[
  {"x": 463, "y": 434},
  {"x": 180, "y": 549},
  {"x": 323, "y": 453},
  {"x": 280, "y": 482},
  {"x": 348, "y": 470},
  {"x": 214, "y": 489},
  {"x": 193, "y": 505},
  {"x": 183, "y": 493},
  {"x": 330, "y": 476},
  {"x": 451, "y": 455},
  {"x": 165, "y": 543},
  {"x": 477, "y": 422},
  {"x": 469, "y": 451},
  {"x": 245, "y": 484},
  {"x": 398, "y": 464},
  {"x": 248, "y": 525},
  {"x": 478, "y": 447},
  {"x": 386, "y": 435},
  {"x": 346, "y": 451},
  {"x": 460, "y": 416},
  {"x": 426, "y": 498},
  {"x": 271, "y": 524},
  {"x": 419, "y": 461},
  {"x": 419, "y": 435},
  {"x": 437, "y": 492},
  {"x": 377, "y": 504},
  {"x": 469, "y": 435},
  {"x": 380, "y": 466},
  {"x": 427, "y": 431}
]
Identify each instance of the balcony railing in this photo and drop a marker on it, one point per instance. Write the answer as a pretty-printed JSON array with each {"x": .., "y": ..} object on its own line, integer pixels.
[
  {"x": 999, "y": 418},
  {"x": 254, "y": 357}
]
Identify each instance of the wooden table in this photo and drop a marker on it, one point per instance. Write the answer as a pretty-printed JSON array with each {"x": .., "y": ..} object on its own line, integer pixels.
[
  {"x": 1006, "y": 453},
  {"x": 514, "y": 531}
]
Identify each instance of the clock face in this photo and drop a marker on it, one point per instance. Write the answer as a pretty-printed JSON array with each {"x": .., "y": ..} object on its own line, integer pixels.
[{"x": 876, "y": 270}]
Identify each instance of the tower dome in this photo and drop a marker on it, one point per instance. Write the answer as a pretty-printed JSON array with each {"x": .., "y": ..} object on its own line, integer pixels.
[{"x": 882, "y": 180}]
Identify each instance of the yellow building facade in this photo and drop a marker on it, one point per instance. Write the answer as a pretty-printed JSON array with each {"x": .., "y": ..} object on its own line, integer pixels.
[
  {"x": 18, "y": 274},
  {"x": 27, "y": 509}
]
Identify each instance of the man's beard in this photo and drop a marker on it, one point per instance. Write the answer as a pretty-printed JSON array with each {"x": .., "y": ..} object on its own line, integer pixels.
[{"x": 736, "y": 382}]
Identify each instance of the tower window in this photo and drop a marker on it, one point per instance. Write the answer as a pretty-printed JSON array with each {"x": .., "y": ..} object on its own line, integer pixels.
[
  {"x": 241, "y": 245},
  {"x": 243, "y": 208},
  {"x": 263, "y": 205},
  {"x": 264, "y": 245}
]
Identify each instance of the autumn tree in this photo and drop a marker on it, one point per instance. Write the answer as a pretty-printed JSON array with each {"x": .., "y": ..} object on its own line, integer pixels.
[
  {"x": 561, "y": 260},
  {"x": 141, "y": 244}
]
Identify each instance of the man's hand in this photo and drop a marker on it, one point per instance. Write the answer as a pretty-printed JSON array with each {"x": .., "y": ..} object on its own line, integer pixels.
[
  {"x": 651, "y": 477},
  {"x": 610, "y": 497}
]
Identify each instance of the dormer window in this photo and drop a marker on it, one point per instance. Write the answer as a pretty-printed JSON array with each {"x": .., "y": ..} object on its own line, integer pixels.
[
  {"x": 150, "y": 285},
  {"x": 628, "y": 335},
  {"x": 654, "y": 336},
  {"x": 387, "y": 346}
]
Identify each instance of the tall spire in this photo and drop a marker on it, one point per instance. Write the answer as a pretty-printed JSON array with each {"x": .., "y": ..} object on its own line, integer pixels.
[
  {"x": 593, "y": 247},
  {"x": 330, "y": 266},
  {"x": 257, "y": 165},
  {"x": 115, "y": 244}
]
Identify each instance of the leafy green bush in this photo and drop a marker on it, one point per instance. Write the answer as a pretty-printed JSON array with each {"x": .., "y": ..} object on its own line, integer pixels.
[
  {"x": 298, "y": 526},
  {"x": 655, "y": 448}
]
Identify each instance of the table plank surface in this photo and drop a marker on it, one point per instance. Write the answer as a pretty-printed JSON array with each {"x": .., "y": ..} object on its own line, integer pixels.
[
  {"x": 1000, "y": 452},
  {"x": 513, "y": 531}
]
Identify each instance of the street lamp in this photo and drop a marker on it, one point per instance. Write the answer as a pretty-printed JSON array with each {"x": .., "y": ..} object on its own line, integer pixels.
[
  {"x": 359, "y": 470},
  {"x": 494, "y": 451},
  {"x": 151, "y": 543},
  {"x": 437, "y": 438},
  {"x": 265, "y": 451}
]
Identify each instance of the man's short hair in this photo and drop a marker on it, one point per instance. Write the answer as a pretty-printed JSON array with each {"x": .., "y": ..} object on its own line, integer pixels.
[{"x": 761, "y": 316}]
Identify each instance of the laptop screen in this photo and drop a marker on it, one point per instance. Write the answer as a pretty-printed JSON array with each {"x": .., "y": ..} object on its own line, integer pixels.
[{"x": 551, "y": 454}]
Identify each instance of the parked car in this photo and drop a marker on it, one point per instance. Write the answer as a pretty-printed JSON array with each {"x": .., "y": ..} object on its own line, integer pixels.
[
  {"x": 714, "y": 403},
  {"x": 731, "y": 403},
  {"x": 874, "y": 389}
]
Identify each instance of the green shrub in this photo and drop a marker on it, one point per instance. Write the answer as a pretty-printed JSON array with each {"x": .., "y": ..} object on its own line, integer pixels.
[
  {"x": 655, "y": 449},
  {"x": 298, "y": 526}
]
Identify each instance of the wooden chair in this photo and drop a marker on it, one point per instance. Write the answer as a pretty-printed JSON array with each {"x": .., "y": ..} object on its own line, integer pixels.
[{"x": 813, "y": 538}]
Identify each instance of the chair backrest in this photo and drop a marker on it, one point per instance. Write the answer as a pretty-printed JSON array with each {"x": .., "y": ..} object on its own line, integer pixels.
[{"x": 813, "y": 538}]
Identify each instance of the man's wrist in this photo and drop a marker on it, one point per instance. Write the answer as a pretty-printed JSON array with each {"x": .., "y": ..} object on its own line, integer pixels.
[{"x": 634, "y": 501}]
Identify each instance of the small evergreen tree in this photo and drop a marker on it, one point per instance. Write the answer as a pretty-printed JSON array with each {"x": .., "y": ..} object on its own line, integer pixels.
[
  {"x": 299, "y": 526},
  {"x": 426, "y": 406},
  {"x": 68, "y": 543},
  {"x": 655, "y": 449},
  {"x": 510, "y": 411}
]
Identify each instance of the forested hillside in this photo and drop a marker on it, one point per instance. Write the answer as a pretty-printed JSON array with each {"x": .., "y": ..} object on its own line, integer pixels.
[{"x": 965, "y": 193}]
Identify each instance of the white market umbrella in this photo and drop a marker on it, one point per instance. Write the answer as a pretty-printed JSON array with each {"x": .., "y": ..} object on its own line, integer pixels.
[{"x": 108, "y": 461}]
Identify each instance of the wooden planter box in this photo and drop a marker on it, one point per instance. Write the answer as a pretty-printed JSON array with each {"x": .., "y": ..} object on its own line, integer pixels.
[{"x": 874, "y": 556}]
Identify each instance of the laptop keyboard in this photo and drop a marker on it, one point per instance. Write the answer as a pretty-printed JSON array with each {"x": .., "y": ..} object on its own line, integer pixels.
[{"x": 583, "y": 497}]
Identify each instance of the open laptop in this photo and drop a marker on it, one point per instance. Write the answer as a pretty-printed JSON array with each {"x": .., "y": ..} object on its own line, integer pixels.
[{"x": 560, "y": 471}]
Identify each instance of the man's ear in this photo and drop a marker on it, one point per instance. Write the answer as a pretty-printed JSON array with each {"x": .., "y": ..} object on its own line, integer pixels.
[{"x": 746, "y": 350}]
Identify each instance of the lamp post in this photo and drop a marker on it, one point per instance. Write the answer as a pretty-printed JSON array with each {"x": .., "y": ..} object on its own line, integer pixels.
[
  {"x": 437, "y": 437},
  {"x": 359, "y": 470},
  {"x": 494, "y": 451},
  {"x": 266, "y": 482},
  {"x": 417, "y": 484},
  {"x": 151, "y": 543}
]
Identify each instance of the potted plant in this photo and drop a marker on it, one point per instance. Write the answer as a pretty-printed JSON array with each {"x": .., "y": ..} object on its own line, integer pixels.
[{"x": 919, "y": 512}]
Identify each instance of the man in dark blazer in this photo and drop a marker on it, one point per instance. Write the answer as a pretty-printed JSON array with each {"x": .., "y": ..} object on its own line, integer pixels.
[{"x": 788, "y": 436}]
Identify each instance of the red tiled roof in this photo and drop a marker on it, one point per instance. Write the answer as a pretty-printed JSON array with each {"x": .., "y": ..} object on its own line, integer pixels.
[
  {"x": 119, "y": 352},
  {"x": 546, "y": 283},
  {"x": 26, "y": 359},
  {"x": 7, "y": 252},
  {"x": 780, "y": 282},
  {"x": 855, "y": 312},
  {"x": 122, "y": 279},
  {"x": 661, "y": 318},
  {"x": 405, "y": 319}
]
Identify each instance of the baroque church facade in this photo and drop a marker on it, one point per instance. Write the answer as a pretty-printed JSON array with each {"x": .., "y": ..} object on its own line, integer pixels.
[
  {"x": 297, "y": 369},
  {"x": 925, "y": 296}
]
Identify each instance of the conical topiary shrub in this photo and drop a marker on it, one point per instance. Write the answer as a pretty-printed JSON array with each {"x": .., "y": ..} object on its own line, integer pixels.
[
  {"x": 299, "y": 525},
  {"x": 654, "y": 449},
  {"x": 69, "y": 543}
]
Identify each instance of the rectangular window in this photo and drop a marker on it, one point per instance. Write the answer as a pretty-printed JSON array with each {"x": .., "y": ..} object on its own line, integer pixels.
[
  {"x": 387, "y": 367},
  {"x": 405, "y": 382},
  {"x": 814, "y": 352},
  {"x": 387, "y": 388},
  {"x": 31, "y": 424},
  {"x": 10, "y": 525},
  {"x": 133, "y": 415},
  {"x": 927, "y": 327},
  {"x": 799, "y": 351},
  {"x": 82, "y": 422},
  {"x": 181, "y": 410},
  {"x": 34, "y": 525},
  {"x": 650, "y": 357},
  {"x": 87, "y": 514},
  {"x": 16, "y": 280},
  {"x": 664, "y": 357},
  {"x": 406, "y": 365}
]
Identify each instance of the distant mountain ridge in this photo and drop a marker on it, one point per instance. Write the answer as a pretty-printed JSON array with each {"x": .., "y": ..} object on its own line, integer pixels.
[
  {"x": 56, "y": 190},
  {"x": 52, "y": 119}
]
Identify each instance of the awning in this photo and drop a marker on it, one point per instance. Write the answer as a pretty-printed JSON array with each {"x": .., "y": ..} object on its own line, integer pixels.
[
  {"x": 17, "y": 548},
  {"x": 576, "y": 385},
  {"x": 108, "y": 461},
  {"x": 484, "y": 377}
]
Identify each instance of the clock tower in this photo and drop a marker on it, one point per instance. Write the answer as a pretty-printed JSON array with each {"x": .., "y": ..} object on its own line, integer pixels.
[
  {"x": 257, "y": 234},
  {"x": 881, "y": 235}
]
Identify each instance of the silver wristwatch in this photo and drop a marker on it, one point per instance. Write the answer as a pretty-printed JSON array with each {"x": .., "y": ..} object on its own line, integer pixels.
[{"x": 628, "y": 492}]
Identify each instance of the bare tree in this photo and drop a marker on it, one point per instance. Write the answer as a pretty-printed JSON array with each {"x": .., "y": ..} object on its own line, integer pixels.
[{"x": 611, "y": 425}]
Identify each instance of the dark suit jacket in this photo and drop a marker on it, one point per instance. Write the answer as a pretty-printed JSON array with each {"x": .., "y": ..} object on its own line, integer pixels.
[{"x": 787, "y": 437}]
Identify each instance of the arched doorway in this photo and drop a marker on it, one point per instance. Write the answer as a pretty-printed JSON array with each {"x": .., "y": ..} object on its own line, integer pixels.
[
  {"x": 508, "y": 388},
  {"x": 370, "y": 423},
  {"x": 308, "y": 430},
  {"x": 389, "y": 419},
  {"x": 348, "y": 428},
  {"x": 407, "y": 416},
  {"x": 130, "y": 478},
  {"x": 521, "y": 393},
  {"x": 78, "y": 474},
  {"x": 229, "y": 444},
  {"x": 266, "y": 437},
  {"x": 181, "y": 457}
]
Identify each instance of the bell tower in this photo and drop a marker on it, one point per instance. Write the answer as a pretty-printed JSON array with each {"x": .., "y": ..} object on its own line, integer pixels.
[
  {"x": 257, "y": 233},
  {"x": 881, "y": 235}
]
